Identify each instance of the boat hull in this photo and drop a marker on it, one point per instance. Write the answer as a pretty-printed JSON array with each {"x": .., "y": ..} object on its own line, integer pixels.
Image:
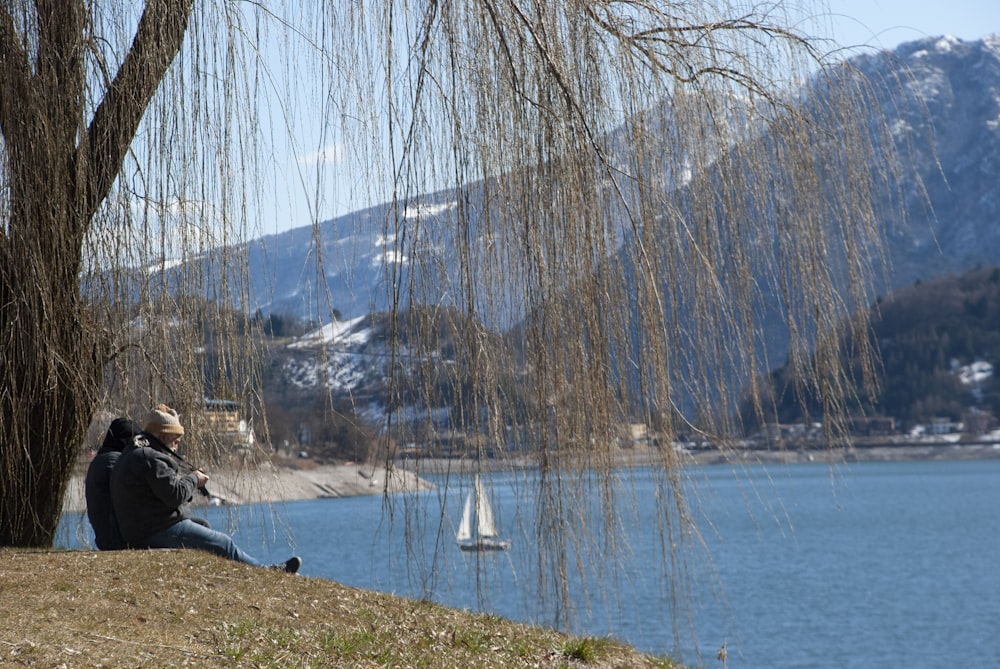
[{"x": 482, "y": 545}]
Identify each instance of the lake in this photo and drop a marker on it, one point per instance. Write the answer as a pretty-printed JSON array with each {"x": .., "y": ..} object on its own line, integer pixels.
[{"x": 806, "y": 565}]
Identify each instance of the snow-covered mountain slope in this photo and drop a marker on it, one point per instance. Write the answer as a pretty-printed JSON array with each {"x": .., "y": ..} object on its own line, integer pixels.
[{"x": 947, "y": 124}]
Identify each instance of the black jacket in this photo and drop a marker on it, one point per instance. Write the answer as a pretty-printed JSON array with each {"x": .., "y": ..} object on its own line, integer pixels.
[
  {"x": 97, "y": 485},
  {"x": 149, "y": 491}
]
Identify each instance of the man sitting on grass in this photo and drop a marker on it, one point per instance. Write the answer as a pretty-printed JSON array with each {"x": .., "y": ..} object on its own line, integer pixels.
[{"x": 150, "y": 495}]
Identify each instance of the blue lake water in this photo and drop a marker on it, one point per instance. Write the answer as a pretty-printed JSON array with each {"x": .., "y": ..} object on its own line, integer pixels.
[{"x": 806, "y": 566}]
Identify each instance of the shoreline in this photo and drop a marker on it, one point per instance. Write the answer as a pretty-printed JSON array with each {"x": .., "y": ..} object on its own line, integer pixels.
[
  {"x": 270, "y": 484},
  {"x": 858, "y": 453},
  {"x": 646, "y": 456}
]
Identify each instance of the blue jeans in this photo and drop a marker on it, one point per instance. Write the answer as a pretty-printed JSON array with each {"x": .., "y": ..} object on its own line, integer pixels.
[{"x": 189, "y": 534}]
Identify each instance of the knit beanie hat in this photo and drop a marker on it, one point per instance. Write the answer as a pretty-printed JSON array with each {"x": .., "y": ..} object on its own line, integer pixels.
[{"x": 163, "y": 420}]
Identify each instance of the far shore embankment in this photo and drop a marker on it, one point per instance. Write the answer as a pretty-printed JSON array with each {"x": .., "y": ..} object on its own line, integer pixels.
[
  {"x": 646, "y": 456},
  {"x": 907, "y": 452},
  {"x": 268, "y": 483}
]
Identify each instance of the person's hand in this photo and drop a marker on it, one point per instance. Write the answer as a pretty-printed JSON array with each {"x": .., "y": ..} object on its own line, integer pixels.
[{"x": 202, "y": 478}]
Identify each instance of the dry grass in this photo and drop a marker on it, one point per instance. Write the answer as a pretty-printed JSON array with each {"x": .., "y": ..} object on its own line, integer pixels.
[{"x": 186, "y": 608}]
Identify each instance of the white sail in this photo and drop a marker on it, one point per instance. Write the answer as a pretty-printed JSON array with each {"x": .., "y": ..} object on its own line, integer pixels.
[
  {"x": 477, "y": 530},
  {"x": 465, "y": 525},
  {"x": 485, "y": 525}
]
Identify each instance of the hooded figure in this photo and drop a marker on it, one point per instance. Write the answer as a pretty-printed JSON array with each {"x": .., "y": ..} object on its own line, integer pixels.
[{"x": 100, "y": 511}]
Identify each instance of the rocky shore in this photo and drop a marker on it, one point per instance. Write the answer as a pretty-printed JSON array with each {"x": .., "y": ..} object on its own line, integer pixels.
[{"x": 283, "y": 484}]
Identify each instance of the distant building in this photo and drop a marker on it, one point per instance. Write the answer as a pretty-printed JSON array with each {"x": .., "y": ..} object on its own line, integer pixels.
[
  {"x": 873, "y": 426},
  {"x": 638, "y": 432},
  {"x": 939, "y": 426},
  {"x": 978, "y": 421},
  {"x": 225, "y": 421}
]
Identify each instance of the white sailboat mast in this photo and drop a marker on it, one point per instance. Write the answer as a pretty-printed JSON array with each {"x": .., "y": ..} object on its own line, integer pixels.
[{"x": 485, "y": 524}]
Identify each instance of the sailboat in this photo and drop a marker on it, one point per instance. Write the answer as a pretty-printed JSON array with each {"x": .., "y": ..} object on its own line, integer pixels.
[{"x": 477, "y": 530}]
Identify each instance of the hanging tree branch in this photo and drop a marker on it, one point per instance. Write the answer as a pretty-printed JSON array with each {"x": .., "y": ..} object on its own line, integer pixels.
[{"x": 157, "y": 41}]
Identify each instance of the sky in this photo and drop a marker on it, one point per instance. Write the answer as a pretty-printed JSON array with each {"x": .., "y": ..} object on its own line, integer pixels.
[
  {"x": 889, "y": 23},
  {"x": 883, "y": 24}
]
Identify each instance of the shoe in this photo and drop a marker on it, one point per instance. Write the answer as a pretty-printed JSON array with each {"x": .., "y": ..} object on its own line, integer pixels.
[{"x": 290, "y": 566}]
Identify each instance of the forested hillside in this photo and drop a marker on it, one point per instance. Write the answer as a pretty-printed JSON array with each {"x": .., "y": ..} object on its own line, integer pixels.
[{"x": 930, "y": 335}]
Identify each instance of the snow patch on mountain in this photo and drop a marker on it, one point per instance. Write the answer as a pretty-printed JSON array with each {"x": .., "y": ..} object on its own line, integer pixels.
[
  {"x": 337, "y": 356},
  {"x": 343, "y": 333},
  {"x": 428, "y": 210},
  {"x": 977, "y": 372},
  {"x": 340, "y": 371}
]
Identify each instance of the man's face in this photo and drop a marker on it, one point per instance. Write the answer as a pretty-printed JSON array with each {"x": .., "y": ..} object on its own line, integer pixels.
[{"x": 172, "y": 441}]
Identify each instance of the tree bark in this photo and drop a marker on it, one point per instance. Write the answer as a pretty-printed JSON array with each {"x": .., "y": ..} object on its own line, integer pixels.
[{"x": 58, "y": 173}]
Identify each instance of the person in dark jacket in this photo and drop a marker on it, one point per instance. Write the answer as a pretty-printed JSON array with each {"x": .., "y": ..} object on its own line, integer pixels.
[
  {"x": 150, "y": 493},
  {"x": 97, "y": 485}
]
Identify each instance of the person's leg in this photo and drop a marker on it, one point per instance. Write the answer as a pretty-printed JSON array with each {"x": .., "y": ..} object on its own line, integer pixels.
[{"x": 189, "y": 534}]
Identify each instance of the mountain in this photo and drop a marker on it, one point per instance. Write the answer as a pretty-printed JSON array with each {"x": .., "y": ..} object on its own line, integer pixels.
[
  {"x": 365, "y": 365},
  {"x": 939, "y": 96},
  {"x": 946, "y": 123},
  {"x": 347, "y": 264}
]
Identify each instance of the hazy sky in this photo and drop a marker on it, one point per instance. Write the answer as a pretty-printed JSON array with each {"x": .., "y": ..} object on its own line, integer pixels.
[
  {"x": 883, "y": 24},
  {"x": 888, "y": 23}
]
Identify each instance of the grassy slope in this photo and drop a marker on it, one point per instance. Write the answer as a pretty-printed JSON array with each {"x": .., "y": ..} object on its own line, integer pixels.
[{"x": 186, "y": 608}]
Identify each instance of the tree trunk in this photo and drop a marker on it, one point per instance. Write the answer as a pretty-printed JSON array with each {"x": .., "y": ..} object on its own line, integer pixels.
[
  {"x": 58, "y": 170},
  {"x": 48, "y": 383}
]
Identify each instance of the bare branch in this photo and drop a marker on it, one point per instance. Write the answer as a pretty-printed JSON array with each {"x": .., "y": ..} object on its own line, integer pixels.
[
  {"x": 157, "y": 41},
  {"x": 15, "y": 74}
]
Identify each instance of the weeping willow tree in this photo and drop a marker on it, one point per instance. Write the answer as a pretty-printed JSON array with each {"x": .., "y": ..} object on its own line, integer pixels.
[
  {"x": 660, "y": 197},
  {"x": 644, "y": 194},
  {"x": 113, "y": 158}
]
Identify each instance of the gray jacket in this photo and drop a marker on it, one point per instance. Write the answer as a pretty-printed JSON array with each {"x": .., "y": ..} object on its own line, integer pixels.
[{"x": 148, "y": 491}]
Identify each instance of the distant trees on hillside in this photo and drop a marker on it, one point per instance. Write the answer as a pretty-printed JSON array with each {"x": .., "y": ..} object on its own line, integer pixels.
[
  {"x": 925, "y": 333},
  {"x": 282, "y": 325}
]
